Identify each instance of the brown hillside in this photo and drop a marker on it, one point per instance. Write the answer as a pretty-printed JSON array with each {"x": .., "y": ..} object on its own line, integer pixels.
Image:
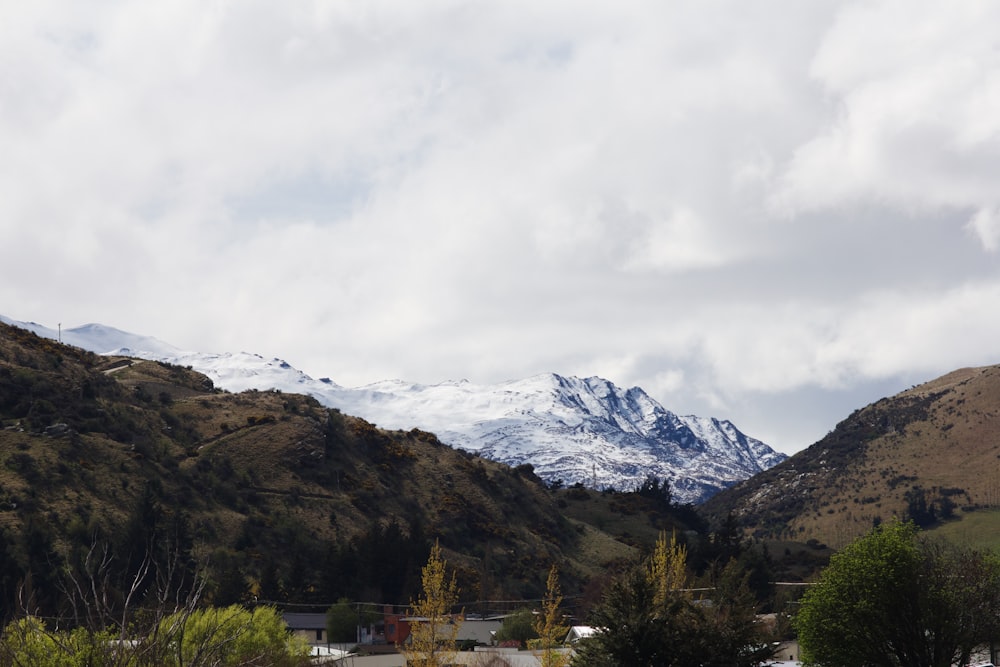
[
  {"x": 939, "y": 441},
  {"x": 280, "y": 496}
]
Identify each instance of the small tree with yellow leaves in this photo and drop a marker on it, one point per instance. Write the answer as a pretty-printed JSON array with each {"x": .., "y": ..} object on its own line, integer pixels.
[
  {"x": 549, "y": 625},
  {"x": 434, "y": 630},
  {"x": 667, "y": 571}
]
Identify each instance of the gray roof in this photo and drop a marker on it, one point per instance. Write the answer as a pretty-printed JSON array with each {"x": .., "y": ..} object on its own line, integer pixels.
[{"x": 304, "y": 621}]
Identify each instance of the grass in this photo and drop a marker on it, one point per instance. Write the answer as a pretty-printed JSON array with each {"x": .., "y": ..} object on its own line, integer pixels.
[{"x": 980, "y": 530}]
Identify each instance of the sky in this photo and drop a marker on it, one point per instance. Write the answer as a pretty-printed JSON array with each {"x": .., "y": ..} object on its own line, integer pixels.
[{"x": 773, "y": 212}]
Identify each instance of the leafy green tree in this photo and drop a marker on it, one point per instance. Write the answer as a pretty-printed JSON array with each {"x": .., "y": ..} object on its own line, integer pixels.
[
  {"x": 891, "y": 598},
  {"x": 519, "y": 627},
  {"x": 342, "y": 622}
]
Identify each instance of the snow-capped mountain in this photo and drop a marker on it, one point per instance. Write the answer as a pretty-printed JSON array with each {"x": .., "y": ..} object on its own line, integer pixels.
[{"x": 575, "y": 429}]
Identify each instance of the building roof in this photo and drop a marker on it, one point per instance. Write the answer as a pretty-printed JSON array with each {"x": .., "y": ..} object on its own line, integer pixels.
[
  {"x": 578, "y": 632},
  {"x": 304, "y": 621}
]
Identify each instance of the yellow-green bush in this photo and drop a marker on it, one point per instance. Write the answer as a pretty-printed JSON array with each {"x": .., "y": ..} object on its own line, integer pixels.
[
  {"x": 229, "y": 637},
  {"x": 28, "y": 641}
]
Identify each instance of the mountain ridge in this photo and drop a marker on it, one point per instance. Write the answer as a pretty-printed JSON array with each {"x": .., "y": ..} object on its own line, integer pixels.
[
  {"x": 928, "y": 454},
  {"x": 571, "y": 430}
]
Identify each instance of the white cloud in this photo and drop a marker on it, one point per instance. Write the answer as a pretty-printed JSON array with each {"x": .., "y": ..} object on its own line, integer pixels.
[
  {"x": 916, "y": 112},
  {"x": 723, "y": 203},
  {"x": 985, "y": 224}
]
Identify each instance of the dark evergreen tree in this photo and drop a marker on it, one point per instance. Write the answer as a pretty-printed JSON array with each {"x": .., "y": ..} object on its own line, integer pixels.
[
  {"x": 42, "y": 593},
  {"x": 269, "y": 585},
  {"x": 11, "y": 575},
  {"x": 137, "y": 539},
  {"x": 656, "y": 489},
  {"x": 918, "y": 510},
  {"x": 637, "y": 631},
  {"x": 229, "y": 580},
  {"x": 649, "y": 617}
]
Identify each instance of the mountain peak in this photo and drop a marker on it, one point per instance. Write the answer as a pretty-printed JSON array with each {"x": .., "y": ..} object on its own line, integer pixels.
[{"x": 577, "y": 430}]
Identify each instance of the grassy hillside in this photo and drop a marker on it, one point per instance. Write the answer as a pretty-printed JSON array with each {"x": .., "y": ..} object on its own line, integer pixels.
[
  {"x": 931, "y": 453},
  {"x": 278, "y": 496}
]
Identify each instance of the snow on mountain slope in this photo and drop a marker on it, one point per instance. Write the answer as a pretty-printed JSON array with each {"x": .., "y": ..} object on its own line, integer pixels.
[
  {"x": 584, "y": 430},
  {"x": 102, "y": 339}
]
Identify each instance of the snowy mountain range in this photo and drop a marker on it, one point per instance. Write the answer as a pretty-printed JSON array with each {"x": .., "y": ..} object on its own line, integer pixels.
[{"x": 572, "y": 429}]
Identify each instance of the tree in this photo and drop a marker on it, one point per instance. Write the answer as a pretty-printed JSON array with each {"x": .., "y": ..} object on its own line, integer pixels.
[
  {"x": 732, "y": 635},
  {"x": 655, "y": 489},
  {"x": 649, "y": 618},
  {"x": 40, "y": 591},
  {"x": 433, "y": 636},
  {"x": 10, "y": 575},
  {"x": 918, "y": 510},
  {"x": 635, "y": 631},
  {"x": 891, "y": 598},
  {"x": 342, "y": 622},
  {"x": 519, "y": 627},
  {"x": 549, "y": 627},
  {"x": 667, "y": 569}
]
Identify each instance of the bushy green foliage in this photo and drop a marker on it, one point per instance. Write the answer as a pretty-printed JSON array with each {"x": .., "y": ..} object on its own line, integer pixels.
[
  {"x": 892, "y": 598},
  {"x": 28, "y": 641},
  {"x": 230, "y": 636},
  {"x": 218, "y": 637},
  {"x": 342, "y": 622},
  {"x": 518, "y": 627}
]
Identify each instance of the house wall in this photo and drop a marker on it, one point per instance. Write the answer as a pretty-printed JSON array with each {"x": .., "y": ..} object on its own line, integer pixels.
[{"x": 309, "y": 626}]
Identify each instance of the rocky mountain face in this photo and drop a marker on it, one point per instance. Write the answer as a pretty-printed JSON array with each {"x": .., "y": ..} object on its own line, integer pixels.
[
  {"x": 929, "y": 454},
  {"x": 577, "y": 430},
  {"x": 584, "y": 430}
]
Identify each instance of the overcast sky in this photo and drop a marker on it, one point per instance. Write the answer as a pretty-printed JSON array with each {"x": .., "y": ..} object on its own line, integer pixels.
[{"x": 769, "y": 212}]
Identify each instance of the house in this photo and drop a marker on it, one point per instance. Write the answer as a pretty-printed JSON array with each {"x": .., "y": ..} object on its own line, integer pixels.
[
  {"x": 473, "y": 629},
  {"x": 309, "y": 626},
  {"x": 323, "y": 655},
  {"x": 578, "y": 632},
  {"x": 481, "y": 631}
]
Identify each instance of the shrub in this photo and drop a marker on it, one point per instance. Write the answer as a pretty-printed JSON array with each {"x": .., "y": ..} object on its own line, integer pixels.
[{"x": 231, "y": 636}]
